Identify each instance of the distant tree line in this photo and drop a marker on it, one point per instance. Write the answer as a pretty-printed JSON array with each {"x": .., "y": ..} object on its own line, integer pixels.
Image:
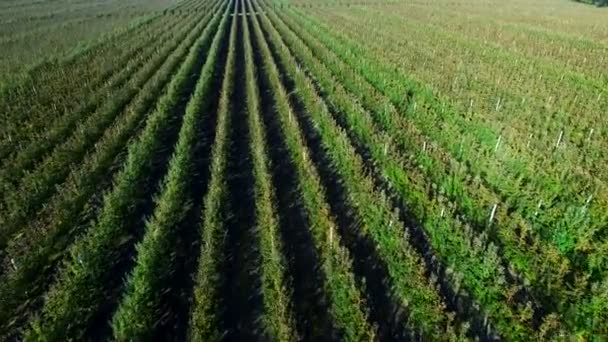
[{"x": 598, "y": 3}]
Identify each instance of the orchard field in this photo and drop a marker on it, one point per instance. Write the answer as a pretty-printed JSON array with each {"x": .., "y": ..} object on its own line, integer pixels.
[{"x": 268, "y": 170}]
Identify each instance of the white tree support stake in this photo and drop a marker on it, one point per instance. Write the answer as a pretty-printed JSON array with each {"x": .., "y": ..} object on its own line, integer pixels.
[
  {"x": 493, "y": 213},
  {"x": 498, "y": 143},
  {"x": 584, "y": 208},
  {"x": 460, "y": 147},
  {"x": 559, "y": 139},
  {"x": 590, "y": 134},
  {"x": 540, "y": 203}
]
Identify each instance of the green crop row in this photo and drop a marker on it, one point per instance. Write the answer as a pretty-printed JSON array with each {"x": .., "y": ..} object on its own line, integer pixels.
[
  {"x": 278, "y": 319},
  {"x": 49, "y": 88},
  {"x": 378, "y": 220},
  {"x": 452, "y": 245},
  {"x": 25, "y": 158},
  {"x": 205, "y": 322},
  {"x": 557, "y": 190},
  {"x": 22, "y": 138},
  {"x": 508, "y": 89},
  {"x": 39, "y": 184},
  {"x": 387, "y": 157},
  {"x": 540, "y": 264},
  {"x": 34, "y": 252},
  {"x": 346, "y": 303},
  {"x": 141, "y": 307},
  {"x": 57, "y": 88},
  {"x": 85, "y": 277}
]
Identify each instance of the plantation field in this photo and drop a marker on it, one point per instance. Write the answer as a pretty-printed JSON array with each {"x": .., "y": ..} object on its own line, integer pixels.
[
  {"x": 257, "y": 170},
  {"x": 33, "y": 31}
]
